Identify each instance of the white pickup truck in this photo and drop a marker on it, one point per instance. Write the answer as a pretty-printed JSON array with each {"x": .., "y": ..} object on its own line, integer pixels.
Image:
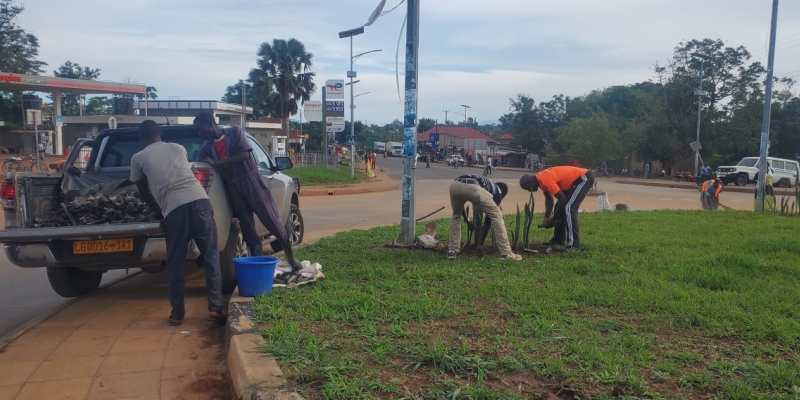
[
  {"x": 784, "y": 171},
  {"x": 71, "y": 269}
]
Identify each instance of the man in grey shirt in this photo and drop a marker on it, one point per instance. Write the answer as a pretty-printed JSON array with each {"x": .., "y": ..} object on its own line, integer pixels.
[{"x": 166, "y": 182}]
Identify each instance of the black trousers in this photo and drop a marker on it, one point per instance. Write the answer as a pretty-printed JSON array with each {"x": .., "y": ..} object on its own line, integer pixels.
[
  {"x": 192, "y": 221},
  {"x": 249, "y": 196},
  {"x": 568, "y": 222}
]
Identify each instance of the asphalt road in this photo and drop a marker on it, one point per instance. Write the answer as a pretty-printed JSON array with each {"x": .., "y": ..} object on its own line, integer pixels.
[{"x": 25, "y": 294}]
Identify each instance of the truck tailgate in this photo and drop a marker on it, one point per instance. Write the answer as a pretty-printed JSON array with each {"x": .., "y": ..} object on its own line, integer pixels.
[{"x": 78, "y": 232}]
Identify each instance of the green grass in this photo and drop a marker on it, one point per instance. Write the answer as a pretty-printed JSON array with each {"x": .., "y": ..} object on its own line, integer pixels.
[
  {"x": 314, "y": 176},
  {"x": 659, "y": 305}
]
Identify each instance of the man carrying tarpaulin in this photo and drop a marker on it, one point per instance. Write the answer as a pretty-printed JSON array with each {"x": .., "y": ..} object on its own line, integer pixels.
[{"x": 228, "y": 149}]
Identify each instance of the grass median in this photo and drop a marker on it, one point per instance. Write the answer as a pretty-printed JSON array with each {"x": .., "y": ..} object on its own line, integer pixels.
[
  {"x": 663, "y": 304},
  {"x": 321, "y": 176}
]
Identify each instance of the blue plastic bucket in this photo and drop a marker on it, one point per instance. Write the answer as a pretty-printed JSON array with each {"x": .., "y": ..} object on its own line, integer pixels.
[{"x": 254, "y": 275}]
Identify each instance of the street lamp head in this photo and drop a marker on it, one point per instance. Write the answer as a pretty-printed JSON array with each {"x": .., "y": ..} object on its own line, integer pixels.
[
  {"x": 353, "y": 82},
  {"x": 465, "y": 106},
  {"x": 351, "y": 32},
  {"x": 701, "y": 55}
]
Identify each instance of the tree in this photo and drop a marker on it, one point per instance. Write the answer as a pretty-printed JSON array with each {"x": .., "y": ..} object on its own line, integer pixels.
[
  {"x": 425, "y": 124},
  {"x": 590, "y": 139},
  {"x": 71, "y": 103},
  {"x": 98, "y": 105},
  {"x": 532, "y": 126},
  {"x": 730, "y": 110},
  {"x": 18, "y": 49},
  {"x": 281, "y": 69},
  {"x": 18, "y": 54},
  {"x": 261, "y": 109}
]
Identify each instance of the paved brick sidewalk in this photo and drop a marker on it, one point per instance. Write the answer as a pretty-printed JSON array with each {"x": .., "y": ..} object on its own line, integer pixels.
[{"x": 116, "y": 344}]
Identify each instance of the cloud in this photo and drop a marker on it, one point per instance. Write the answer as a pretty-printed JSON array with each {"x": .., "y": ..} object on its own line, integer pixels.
[{"x": 471, "y": 52}]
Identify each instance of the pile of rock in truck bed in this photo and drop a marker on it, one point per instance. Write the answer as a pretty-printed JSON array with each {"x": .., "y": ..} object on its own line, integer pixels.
[{"x": 94, "y": 207}]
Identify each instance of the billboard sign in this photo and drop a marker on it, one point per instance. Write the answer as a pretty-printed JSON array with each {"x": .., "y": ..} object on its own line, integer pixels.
[
  {"x": 312, "y": 111},
  {"x": 334, "y": 124},
  {"x": 334, "y": 89}
]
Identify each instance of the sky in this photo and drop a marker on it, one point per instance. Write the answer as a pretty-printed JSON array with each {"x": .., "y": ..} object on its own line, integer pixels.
[{"x": 478, "y": 53}]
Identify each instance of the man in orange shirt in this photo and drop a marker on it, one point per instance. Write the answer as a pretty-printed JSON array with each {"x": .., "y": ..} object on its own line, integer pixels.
[{"x": 569, "y": 185}]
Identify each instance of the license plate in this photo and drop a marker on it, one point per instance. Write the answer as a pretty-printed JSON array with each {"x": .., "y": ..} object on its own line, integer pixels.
[{"x": 102, "y": 246}]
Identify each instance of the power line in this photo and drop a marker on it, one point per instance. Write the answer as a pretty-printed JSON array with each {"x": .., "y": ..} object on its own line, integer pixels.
[{"x": 761, "y": 54}]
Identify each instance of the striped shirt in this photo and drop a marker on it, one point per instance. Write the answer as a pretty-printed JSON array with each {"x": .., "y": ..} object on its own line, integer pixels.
[{"x": 485, "y": 183}]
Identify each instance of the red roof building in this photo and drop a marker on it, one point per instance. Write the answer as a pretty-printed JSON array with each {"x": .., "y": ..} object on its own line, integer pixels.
[
  {"x": 505, "y": 140},
  {"x": 454, "y": 136}
]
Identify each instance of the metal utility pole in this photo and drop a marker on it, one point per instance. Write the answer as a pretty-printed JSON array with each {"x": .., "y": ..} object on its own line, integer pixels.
[
  {"x": 244, "y": 106},
  {"x": 762, "y": 162},
  {"x": 699, "y": 93},
  {"x": 407, "y": 217},
  {"x": 465, "y": 126},
  {"x": 351, "y": 74},
  {"x": 324, "y": 130}
]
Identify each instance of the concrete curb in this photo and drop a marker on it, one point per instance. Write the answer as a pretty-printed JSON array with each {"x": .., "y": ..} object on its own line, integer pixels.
[
  {"x": 384, "y": 184},
  {"x": 255, "y": 376},
  {"x": 691, "y": 186}
]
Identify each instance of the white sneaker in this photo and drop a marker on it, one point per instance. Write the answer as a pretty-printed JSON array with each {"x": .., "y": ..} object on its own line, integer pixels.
[{"x": 511, "y": 256}]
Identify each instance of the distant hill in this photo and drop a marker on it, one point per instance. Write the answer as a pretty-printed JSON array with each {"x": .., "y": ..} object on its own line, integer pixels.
[{"x": 489, "y": 122}]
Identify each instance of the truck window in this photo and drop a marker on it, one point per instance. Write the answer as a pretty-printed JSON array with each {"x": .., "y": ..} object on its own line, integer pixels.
[
  {"x": 119, "y": 150},
  {"x": 261, "y": 156},
  {"x": 791, "y": 167},
  {"x": 748, "y": 162},
  {"x": 778, "y": 164}
]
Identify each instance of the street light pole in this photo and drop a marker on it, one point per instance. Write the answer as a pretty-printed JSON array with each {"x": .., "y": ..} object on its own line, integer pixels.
[
  {"x": 465, "y": 125},
  {"x": 699, "y": 93},
  {"x": 762, "y": 162},
  {"x": 408, "y": 234}
]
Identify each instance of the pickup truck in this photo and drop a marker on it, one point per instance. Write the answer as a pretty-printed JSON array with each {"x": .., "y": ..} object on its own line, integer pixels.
[{"x": 75, "y": 268}]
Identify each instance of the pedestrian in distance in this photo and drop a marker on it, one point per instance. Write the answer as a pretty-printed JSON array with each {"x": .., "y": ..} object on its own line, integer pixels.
[
  {"x": 569, "y": 186},
  {"x": 166, "y": 182},
  {"x": 227, "y": 150},
  {"x": 486, "y": 196},
  {"x": 769, "y": 191},
  {"x": 428, "y": 161}
]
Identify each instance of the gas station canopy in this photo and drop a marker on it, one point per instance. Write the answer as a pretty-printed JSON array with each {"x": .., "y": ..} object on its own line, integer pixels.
[
  {"x": 36, "y": 83},
  {"x": 56, "y": 86}
]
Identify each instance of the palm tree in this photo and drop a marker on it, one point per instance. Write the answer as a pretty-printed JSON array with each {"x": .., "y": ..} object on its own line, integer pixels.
[{"x": 281, "y": 75}]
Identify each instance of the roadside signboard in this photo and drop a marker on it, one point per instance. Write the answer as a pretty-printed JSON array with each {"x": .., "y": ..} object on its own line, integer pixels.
[
  {"x": 434, "y": 138},
  {"x": 334, "y": 108},
  {"x": 334, "y": 124},
  {"x": 696, "y": 146},
  {"x": 334, "y": 89},
  {"x": 312, "y": 111},
  {"x": 351, "y": 140}
]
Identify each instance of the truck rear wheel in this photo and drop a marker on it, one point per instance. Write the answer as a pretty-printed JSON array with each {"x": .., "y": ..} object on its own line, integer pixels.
[
  {"x": 295, "y": 228},
  {"x": 236, "y": 247},
  {"x": 73, "y": 282}
]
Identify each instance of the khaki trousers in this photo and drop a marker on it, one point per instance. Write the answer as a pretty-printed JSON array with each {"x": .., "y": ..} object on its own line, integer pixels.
[{"x": 460, "y": 193}]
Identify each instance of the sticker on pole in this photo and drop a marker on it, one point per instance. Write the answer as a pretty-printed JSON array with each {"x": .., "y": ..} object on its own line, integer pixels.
[{"x": 696, "y": 145}]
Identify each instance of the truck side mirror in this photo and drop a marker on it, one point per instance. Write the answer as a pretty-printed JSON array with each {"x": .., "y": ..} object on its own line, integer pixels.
[{"x": 283, "y": 163}]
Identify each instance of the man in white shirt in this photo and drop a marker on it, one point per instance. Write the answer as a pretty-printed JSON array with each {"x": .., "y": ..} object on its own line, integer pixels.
[{"x": 166, "y": 182}]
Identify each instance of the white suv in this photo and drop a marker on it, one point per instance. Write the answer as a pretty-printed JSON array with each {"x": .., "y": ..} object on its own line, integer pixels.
[{"x": 784, "y": 171}]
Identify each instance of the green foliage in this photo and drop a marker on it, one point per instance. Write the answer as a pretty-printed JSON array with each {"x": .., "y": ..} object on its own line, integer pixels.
[
  {"x": 590, "y": 139},
  {"x": 317, "y": 176},
  {"x": 261, "y": 108},
  {"x": 18, "y": 54},
  {"x": 281, "y": 75},
  {"x": 71, "y": 103},
  {"x": 641, "y": 309}
]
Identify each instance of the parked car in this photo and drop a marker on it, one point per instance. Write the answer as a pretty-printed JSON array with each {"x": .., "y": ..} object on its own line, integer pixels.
[
  {"x": 746, "y": 171},
  {"x": 28, "y": 197},
  {"x": 455, "y": 159}
]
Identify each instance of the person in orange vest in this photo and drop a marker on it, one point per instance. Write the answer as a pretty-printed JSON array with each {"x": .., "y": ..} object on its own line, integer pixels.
[
  {"x": 709, "y": 194},
  {"x": 569, "y": 186}
]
